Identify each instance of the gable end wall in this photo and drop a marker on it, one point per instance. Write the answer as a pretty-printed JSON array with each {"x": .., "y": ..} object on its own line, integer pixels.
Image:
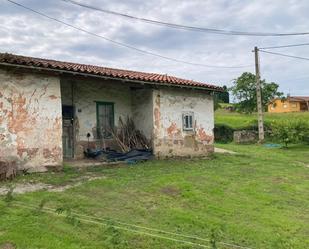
[{"x": 170, "y": 140}]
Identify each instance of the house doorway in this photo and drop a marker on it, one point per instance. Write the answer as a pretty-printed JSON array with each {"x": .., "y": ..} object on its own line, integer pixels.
[{"x": 68, "y": 131}]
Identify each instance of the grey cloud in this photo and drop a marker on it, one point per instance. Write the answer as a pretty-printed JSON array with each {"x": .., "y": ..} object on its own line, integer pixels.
[{"x": 25, "y": 33}]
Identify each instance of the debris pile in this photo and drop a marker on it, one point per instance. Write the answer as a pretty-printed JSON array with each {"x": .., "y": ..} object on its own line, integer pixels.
[
  {"x": 134, "y": 146},
  {"x": 128, "y": 137},
  {"x": 131, "y": 157}
]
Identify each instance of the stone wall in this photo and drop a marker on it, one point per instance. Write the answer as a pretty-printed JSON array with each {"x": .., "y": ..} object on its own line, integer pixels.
[
  {"x": 245, "y": 137},
  {"x": 169, "y": 137},
  {"x": 30, "y": 120}
]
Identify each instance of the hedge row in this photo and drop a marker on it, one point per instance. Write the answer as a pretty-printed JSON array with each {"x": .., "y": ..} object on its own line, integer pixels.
[{"x": 287, "y": 131}]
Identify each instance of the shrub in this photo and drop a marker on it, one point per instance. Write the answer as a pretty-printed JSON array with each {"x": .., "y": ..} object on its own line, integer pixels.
[
  {"x": 223, "y": 133},
  {"x": 290, "y": 131}
]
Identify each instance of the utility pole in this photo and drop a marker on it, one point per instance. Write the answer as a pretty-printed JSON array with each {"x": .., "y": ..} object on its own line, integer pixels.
[{"x": 259, "y": 95}]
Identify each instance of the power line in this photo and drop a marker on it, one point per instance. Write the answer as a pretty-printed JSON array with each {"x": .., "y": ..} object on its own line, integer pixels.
[
  {"x": 287, "y": 46},
  {"x": 184, "y": 27},
  {"x": 285, "y": 55},
  {"x": 121, "y": 228},
  {"x": 104, "y": 220},
  {"x": 124, "y": 44}
]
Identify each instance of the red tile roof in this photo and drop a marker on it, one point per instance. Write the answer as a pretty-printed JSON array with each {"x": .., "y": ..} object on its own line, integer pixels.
[{"x": 103, "y": 71}]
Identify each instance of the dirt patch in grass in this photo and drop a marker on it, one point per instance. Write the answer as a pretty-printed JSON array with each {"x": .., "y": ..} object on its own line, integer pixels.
[
  {"x": 278, "y": 180},
  {"x": 224, "y": 151},
  {"x": 171, "y": 191},
  {"x": 21, "y": 188},
  {"x": 248, "y": 171},
  {"x": 302, "y": 164},
  {"x": 7, "y": 245}
]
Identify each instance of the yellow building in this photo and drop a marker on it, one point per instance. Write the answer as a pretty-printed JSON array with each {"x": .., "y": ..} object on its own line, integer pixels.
[{"x": 290, "y": 104}]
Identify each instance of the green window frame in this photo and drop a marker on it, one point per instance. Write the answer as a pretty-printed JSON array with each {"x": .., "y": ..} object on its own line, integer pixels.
[{"x": 105, "y": 119}]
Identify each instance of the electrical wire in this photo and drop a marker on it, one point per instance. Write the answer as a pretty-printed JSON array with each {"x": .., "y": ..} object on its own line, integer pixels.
[
  {"x": 184, "y": 27},
  {"x": 126, "y": 229},
  {"x": 124, "y": 44},
  {"x": 285, "y": 55},
  {"x": 287, "y": 46},
  {"x": 104, "y": 220}
]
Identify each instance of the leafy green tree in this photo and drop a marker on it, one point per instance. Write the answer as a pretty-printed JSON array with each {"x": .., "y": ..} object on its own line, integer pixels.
[
  {"x": 244, "y": 91},
  {"x": 216, "y": 102},
  {"x": 223, "y": 97}
]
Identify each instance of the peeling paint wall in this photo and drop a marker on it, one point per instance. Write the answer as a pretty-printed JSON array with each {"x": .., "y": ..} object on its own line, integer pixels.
[
  {"x": 31, "y": 116},
  {"x": 30, "y": 120},
  {"x": 86, "y": 93},
  {"x": 157, "y": 113},
  {"x": 142, "y": 108},
  {"x": 169, "y": 137}
]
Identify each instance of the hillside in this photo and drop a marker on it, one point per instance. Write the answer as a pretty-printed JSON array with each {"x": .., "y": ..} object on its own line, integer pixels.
[{"x": 238, "y": 120}]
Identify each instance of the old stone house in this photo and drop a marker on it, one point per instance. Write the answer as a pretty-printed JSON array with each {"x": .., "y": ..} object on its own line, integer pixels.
[{"x": 48, "y": 107}]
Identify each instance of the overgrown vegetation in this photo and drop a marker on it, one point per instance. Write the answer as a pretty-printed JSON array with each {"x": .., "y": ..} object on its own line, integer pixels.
[
  {"x": 223, "y": 133},
  {"x": 290, "y": 131},
  {"x": 279, "y": 127},
  {"x": 257, "y": 198}
]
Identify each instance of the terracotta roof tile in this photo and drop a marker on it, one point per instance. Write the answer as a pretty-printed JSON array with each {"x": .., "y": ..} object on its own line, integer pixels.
[{"x": 103, "y": 71}]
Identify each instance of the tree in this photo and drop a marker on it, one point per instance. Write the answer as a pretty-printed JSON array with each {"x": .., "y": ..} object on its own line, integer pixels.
[
  {"x": 244, "y": 91},
  {"x": 223, "y": 97}
]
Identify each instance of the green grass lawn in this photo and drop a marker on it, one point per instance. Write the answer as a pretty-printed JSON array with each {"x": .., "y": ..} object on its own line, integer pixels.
[
  {"x": 239, "y": 120},
  {"x": 258, "y": 198}
]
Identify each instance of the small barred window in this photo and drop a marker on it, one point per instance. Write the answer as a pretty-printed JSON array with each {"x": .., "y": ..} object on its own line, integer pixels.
[{"x": 188, "y": 121}]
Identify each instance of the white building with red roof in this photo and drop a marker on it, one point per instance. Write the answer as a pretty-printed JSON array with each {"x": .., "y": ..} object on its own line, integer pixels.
[{"x": 52, "y": 110}]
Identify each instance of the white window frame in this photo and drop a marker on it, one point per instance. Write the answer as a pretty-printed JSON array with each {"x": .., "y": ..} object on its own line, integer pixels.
[{"x": 186, "y": 124}]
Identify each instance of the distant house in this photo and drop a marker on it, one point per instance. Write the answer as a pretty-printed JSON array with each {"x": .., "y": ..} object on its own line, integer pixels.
[
  {"x": 289, "y": 104},
  {"x": 49, "y": 109}
]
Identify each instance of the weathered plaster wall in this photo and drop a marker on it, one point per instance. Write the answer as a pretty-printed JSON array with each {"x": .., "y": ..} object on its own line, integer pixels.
[
  {"x": 86, "y": 92},
  {"x": 30, "y": 120},
  {"x": 142, "y": 108},
  {"x": 157, "y": 113},
  {"x": 169, "y": 137}
]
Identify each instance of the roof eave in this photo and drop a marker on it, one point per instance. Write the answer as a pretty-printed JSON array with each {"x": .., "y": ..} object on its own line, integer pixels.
[{"x": 61, "y": 71}]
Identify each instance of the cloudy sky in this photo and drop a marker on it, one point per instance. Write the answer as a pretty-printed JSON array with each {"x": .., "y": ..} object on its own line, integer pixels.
[{"x": 23, "y": 32}]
